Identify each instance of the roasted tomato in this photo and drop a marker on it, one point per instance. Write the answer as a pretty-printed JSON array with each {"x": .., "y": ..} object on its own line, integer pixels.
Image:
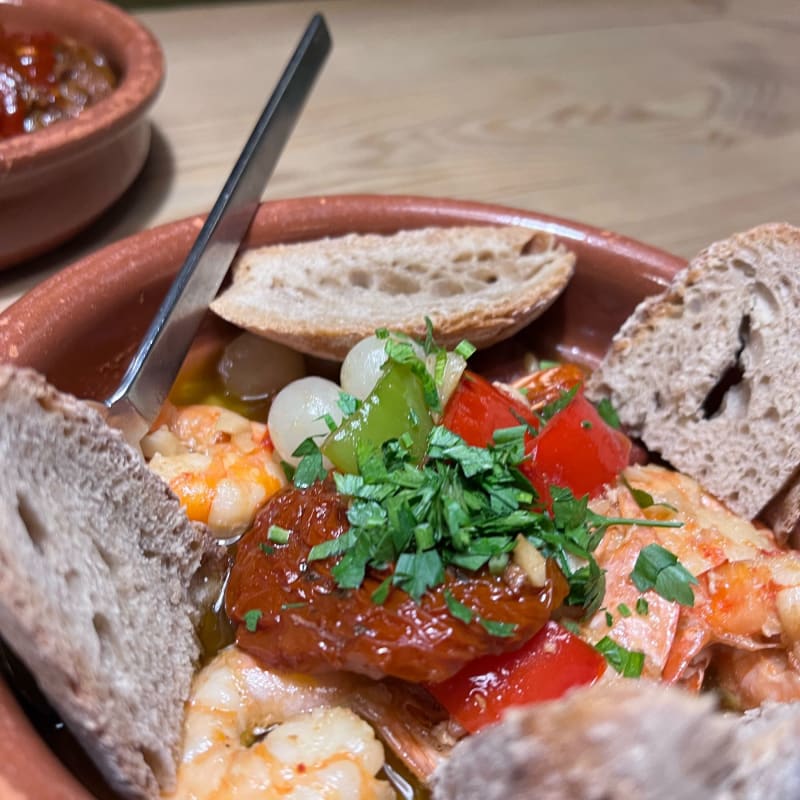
[
  {"x": 550, "y": 664},
  {"x": 307, "y": 623}
]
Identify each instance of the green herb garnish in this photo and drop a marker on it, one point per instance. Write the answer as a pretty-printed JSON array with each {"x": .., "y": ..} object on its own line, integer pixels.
[
  {"x": 457, "y": 608},
  {"x": 642, "y": 607},
  {"x": 644, "y": 499},
  {"x": 623, "y": 610},
  {"x": 278, "y": 535},
  {"x": 658, "y": 569},
  {"x": 266, "y": 549},
  {"x": 608, "y": 413},
  {"x": 310, "y": 468},
  {"x": 347, "y": 403},
  {"x": 251, "y": 619},
  {"x": 547, "y": 412},
  {"x": 465, "y": 349},
  {"x": 629, "y": 663}
]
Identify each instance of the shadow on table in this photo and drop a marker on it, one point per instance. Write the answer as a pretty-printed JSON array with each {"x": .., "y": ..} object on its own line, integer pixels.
[{"x": 133, "y": 212}]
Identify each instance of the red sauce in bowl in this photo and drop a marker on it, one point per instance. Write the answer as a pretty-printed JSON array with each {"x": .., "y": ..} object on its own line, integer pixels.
[{"x": 45, "y": 78}]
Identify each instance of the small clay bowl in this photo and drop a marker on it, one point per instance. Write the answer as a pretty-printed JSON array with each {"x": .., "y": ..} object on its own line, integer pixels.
[
  {"x": 55, "y": 181},
  {"x": 81, "y": 327}
]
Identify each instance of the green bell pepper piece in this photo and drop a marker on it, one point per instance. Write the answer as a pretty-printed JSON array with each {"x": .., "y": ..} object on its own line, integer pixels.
[{"x": 394, "y": 407}]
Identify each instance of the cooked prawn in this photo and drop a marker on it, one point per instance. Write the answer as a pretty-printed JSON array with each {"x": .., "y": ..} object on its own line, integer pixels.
[
  {"x": 252, "y": 733},
  {"x": 747, "y": 600},
  {"x": 221, "y": 465}
]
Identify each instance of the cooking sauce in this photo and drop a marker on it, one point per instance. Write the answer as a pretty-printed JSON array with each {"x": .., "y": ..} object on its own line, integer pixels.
[{"x": 45, "y": 78}]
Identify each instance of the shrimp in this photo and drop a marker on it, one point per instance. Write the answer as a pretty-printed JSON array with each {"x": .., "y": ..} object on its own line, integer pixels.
[
  {"x": 252, "y": 733},
  {"x": 222, "y": 466},
  {"x": 255, "y": 732},
  {"x": 745, "y": 621}
]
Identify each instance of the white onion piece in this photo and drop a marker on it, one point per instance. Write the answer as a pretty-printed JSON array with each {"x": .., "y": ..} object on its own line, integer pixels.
[
  {"x": 252, "y": 367},
  {"x": 362, "y": 366},
  {"x": 531, "y": 561},
  {"x": 296, "y": 413},
  {"x": 453, "y": 370}
]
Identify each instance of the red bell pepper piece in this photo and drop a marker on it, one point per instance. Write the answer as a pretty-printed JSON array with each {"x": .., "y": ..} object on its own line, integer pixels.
[
  {"x": 548, "y": 665},
  {"x": 477, "y": 409},
  {"x": 575, "y": 449},
  {"x": 578, "y": 450}
]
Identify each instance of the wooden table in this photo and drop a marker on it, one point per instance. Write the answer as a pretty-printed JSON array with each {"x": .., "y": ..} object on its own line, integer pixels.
[{"x": 675, "y": 122}]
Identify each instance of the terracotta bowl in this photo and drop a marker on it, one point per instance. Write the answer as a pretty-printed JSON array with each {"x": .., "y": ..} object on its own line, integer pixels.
[
  {"x": 81, "y": 327},
  {"x": 53, "y": 182}
]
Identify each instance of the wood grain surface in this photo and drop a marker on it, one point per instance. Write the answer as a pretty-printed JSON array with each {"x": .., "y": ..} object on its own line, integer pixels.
[{"x": 676, "y": 122}]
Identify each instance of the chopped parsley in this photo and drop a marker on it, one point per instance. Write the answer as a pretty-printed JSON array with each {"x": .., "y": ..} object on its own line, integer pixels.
[
  {"x": 644, "y": 499},
  {"x": 465, "y": 349},
  {"x": 457, "y": 608},
  {"x": 463, "y": 507},
  {"x": 608, "y": 413},
  {"x": 642, "y": 607},
  {"x": 609, "y": 619},
  {"x": 347, "y": 403},
  {"x": 251, "y": 619},
  {"x": 290, "y": 606},
  {"x": 547, "y": 412},
  {"x": 499, "y": 629},
  {"x": 629, "y": 663},
  {"x": 623, "y": 610},
  {"x": 266, "y": 549},
  {"x": 278, "y": 535},
  {"x": 310, "y": 468},
  {"x": 658, "y": 569}
]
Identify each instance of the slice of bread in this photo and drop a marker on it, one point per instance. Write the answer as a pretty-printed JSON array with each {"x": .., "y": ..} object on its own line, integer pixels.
[
  {"x": 321, "y": 297},
  {"x": 705, "y": 373},
  {"x": 628, "y": 739},
  {"x": 102, "y": 577}
]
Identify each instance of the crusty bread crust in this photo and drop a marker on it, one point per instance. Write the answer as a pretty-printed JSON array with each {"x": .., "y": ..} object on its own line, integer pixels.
[
  {"x": 100, "y": 572},
  {"x": 730, "y": 316},
  {"x": 479, "y": 283},
  {"x": 629, "y": 738}
]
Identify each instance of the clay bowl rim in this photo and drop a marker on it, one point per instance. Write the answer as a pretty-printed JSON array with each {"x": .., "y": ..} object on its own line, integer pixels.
[
  {"x": 48, "y": 311},
  {"x": 142, "y": 67},
  {"x": 91, "y": 276}
]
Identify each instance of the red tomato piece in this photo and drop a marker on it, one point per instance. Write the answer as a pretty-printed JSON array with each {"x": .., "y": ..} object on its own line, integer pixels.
[
  {"x": 551, "y": 663},
  {"x": 477, "y": 409},
  {"x": 576, "y": 449}
]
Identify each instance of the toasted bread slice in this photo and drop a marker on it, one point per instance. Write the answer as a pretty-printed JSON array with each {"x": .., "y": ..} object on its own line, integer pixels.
[
  {"x": 321, "y": 297},
  {"x": 628, "y": 739},
  {"x": 101, "y": 580},
  {"x": 705, "y": 372}
]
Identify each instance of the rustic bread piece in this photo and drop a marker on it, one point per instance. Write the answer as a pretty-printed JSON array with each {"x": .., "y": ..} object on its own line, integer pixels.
[
  {"x": 608, "y": 742},
  {"x": 101, "y": 576},
  {"x": 628, "y": 739},
  {"x": 478, "y": 283},
  {"x": 705, "y": 372}
]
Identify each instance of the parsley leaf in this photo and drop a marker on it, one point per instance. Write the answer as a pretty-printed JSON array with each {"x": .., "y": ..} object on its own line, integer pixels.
[
  {"x": 465, "y": 349},
  {"x": 251, "y": 619},
  {"x": 656, "y": 568},
  {"x": 457, "y": 609},
  {"x": 629, "y": 663},
  {"x": 310, "y": 469},
  {"x": 642, "y": 498},
  {"x": 608, "y": 413},
  {"x": 415, "y": 573},
  {"x": 499, "y": 629},
  {"x": 642, "y": 607},
  {"x": 547, "y": 412},
  {"x": 347, "y": 403},
  {"x": 278, "y": 535}
]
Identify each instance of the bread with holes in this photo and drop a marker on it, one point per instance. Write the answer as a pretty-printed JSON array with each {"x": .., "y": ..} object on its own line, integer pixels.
[
  {"x": 321, "y": 297},
  {"x": 630, "y": 738},
  {"x": 102, "y": 580},
  {"x": 705, "y": 373}
]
